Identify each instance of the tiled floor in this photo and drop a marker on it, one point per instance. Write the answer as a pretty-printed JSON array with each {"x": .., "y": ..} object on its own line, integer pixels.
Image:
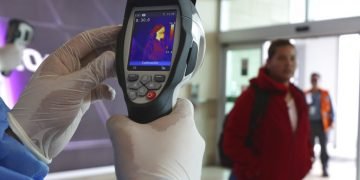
[
  {"x": 107, "y": 173},
  {"x": 338, "y": 171},
  {"x": 341, "y": 167}
]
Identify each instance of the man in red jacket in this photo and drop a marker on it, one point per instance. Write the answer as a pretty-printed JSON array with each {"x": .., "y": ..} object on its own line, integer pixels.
[{"x": 281, "y": 148}]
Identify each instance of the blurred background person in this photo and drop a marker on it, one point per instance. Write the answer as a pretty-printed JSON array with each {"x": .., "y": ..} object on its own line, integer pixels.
[{"x": 321, "y": 115}]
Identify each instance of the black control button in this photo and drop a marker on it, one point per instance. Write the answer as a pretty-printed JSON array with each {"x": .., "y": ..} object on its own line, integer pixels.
[
  {"x": 159, "y": 78},
  {"x": 153, "y": 86},
  {"x": 135, "y": 85},
  {"x": 133, "y": 77}
]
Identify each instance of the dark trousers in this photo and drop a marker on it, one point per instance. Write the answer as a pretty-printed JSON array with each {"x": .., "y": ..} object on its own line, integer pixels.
[
  {"x": 232, "y": 176},
  {"x": 317, "y": 130}
]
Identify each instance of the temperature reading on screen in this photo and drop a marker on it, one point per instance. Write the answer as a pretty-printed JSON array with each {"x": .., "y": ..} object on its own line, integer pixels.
[{"x": 152, "y": 40}]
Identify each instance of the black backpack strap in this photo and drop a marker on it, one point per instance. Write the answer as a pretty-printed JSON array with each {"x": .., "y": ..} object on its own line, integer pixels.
[
  {"x": 224, "y": 160},
  {"x": 260, "y": 103}
]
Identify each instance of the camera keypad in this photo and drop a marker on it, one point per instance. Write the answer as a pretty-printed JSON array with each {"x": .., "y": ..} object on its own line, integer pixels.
[{"x": 144, "y": 87}]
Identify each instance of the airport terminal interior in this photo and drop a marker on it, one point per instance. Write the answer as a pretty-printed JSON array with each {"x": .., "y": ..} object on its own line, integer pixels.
[{"x": 238, "y": 34}]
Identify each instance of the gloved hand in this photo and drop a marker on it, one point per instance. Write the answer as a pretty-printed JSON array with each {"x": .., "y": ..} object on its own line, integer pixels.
[
  {"x": 16, "y": 161},
  {"x": 167, "y": 148},
  {"x": 10, "y": 56},
  {"x": 61, "y": 90}
]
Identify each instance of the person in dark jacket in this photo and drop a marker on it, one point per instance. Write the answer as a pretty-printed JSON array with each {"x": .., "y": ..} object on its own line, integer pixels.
[{"x": 281, "y": 148}]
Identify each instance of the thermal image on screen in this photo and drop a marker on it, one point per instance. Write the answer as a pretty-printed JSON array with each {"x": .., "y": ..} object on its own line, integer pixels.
[{"x": 152, "y": 40}]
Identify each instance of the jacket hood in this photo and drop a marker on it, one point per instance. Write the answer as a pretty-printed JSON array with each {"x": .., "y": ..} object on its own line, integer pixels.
[{"x": 263, "y": 81}]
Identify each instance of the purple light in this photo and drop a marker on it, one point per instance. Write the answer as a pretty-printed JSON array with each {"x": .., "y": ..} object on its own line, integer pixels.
[
  {"x": 12, "y": 86},
  {"x": 6, "y": 93},
  {"x": 3, "y": 27}
]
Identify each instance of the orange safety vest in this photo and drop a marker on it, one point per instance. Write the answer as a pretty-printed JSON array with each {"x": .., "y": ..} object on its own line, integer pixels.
[{"x": 326, "y": 108}]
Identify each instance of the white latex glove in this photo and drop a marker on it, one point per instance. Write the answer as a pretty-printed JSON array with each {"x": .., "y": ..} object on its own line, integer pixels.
[
  {"x": 168, "y": 148},
  {"x": 10, "y": 56},
  {"x": 61, "y": 90}
]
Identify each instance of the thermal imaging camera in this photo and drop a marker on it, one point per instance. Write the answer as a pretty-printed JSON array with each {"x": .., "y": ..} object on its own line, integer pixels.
[{"x": 160, "y": 47}]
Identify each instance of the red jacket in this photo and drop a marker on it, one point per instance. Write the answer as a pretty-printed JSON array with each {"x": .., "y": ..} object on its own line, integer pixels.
[{"x": 282, "y": 153}]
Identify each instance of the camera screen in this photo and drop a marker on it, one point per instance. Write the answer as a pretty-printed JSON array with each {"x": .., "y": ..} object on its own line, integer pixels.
[{"x": 152, "y": 40}]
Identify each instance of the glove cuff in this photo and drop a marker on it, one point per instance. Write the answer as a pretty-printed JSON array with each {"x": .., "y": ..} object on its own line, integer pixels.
[{"x": 25, "y": 139}]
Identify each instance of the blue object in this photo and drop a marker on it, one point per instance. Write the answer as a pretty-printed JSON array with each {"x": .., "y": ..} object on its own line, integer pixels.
[
  {"x": 16, "y": 160},
  {"x": 315, "y": 107},
  {"x": 232, "y": 176}
]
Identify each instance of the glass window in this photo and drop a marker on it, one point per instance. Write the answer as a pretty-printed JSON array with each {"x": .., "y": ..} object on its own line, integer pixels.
[
  {"x": 333, "y": 9},
  {"x": 244, "y": 14}
]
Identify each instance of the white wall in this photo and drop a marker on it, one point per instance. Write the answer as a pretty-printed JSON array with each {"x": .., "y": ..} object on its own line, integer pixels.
[
  {"x": 348, "y": 94},
  {"x": 207, "y": 81}
]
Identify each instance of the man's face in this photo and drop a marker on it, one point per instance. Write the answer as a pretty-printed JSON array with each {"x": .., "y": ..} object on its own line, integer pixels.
[
  {"x": 314, "y": 80},
  {"x": 160, "y": 34},
  {"x": 283, "y": 64}
]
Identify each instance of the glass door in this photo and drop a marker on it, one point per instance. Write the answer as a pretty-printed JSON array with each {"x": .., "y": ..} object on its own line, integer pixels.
[
  {"x": 336, "y": 59},
  {"x": 242, "y": 64}
]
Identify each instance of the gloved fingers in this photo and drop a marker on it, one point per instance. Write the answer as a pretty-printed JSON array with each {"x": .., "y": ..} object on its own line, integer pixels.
[
  {"x": 11, "y": 55},
  {"x": 93, "y": 74},
  {"x": 120, "y": 130},
  {"x": 183, "y": 112},
  {"x": 117, "y": 125},
  {"x": 181, "y": 120},
  {"x": 103, "y": 91},
  {"x": 137, "y": 146},
  {"x": 72, "y": 52},
  {"x": 183, "y": 108},
  {"x": 89, "y": 58},
  {"x": 109, "y": 47},
  {"x": 94, "y": 54},
  {"x": 91, "y": 40}
]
